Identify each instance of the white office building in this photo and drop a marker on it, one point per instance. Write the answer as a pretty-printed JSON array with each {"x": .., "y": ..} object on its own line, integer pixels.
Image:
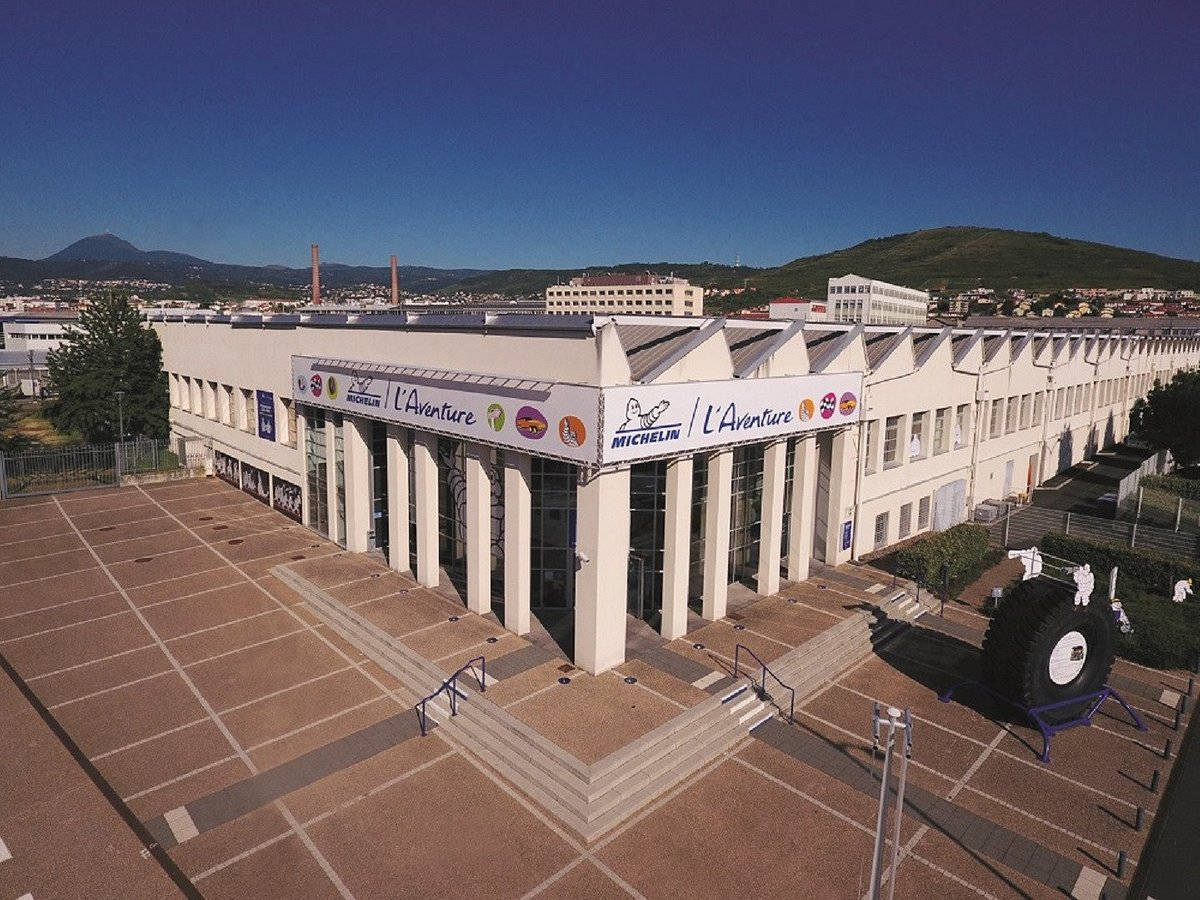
[
  {"x": 646, "y": 294},
  {"x": 853, "y": 298},
  {"x": 538, "y": 463}
]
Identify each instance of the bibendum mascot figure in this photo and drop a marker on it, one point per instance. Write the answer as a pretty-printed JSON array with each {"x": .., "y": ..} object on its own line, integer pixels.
[
  {"x": 1183, "y": 587},
  {"x": 1084, "y": 582},
  {"x": 1031, "y": 559},
  {"x": 1123, "y": 623}
]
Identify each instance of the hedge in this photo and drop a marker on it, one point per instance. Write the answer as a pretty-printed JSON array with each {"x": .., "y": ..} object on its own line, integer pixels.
[
  {"x": 1139, "y": 571},
  {"x": 962, "y": 548},
  {"x": 1188, "y": 488},
  {"x": 1165, "y": 635}
]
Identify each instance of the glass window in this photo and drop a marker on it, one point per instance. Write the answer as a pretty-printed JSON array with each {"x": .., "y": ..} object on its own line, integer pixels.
[
  {"x": 379, "y": 487},
  {"x": 961, "y": 425},
  {"x": 1011, "y": 408},
  {"x": 746, "y": 519},
  {"x": 997, "y": 419},
  {"x": 941, "y": 431},
  {"x": 339, "y": 472},
  {"x": 552, "y": 543},
  {"x": 1037, "y": 408},
  {"x": 870, "y": 446},
  {"x": 923, "y": 513},
  {"x": 905, "y": 520},
  {"x": 881, "y": 530},
  {"x": 891, "y": 441},
  {"x": 1026, "y": 409},
  {"x": 452, "y": 508},
  {"x": 316, "y": 470},
  {"x": 647, "y": 518},
  {"x": 917, "y": 448}
]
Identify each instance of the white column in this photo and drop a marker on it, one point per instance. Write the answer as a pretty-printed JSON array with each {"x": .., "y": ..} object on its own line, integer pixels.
[
  {"x": 331, "y": 476},
  {"x": 804, "y": 499},
  {"x": 677, "y": 547},
  {"x": 356, "y": 436},
  {"x": 717, "y": 511},
  {"x": 518, "y": 529},
  {"x": 602, "y": 576},
  {"x": 425, "y": 469},
  {"x": 397, "y": 463},
  {"x": 771, "y": 533},
  {"x": 841, "y": 495},
  {"x": 479, "y": 529}
]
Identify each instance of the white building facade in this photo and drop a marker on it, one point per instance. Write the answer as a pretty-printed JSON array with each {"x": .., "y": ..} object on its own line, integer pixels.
[
  {"x": 646, "y": 294},
  {"x": 855, "y": 299},
  {"x": 30, "y": 331},
  {"x": 595, "y": 468}
]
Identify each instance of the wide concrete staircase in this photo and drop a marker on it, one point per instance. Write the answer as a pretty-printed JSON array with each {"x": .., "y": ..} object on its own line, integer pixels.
[{"x": 589, "y": 799}]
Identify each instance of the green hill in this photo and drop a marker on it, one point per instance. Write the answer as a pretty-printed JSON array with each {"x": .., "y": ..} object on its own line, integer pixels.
[{"x": 952, "y": 258}]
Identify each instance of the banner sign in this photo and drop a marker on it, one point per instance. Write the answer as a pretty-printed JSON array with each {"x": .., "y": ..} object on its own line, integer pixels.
[
  {"x": 671, "y": 419},
  {"x": 226, "y": 468},
  {"x": 538, "y": 417},
  {"x": 591, "y": 425},
  {"x": 266, "y": 415},
  {"x": 256, "y": 483},
  {"x": 285, "y": 497}
]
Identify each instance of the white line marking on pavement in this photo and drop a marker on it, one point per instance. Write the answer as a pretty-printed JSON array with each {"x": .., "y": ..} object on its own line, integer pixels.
[
  {"x": 710, "y": 678},
  {"x": 1170, "y": 698},
  {"x": 179, "y": 820},
  {"x": 1089, "y": 884}
]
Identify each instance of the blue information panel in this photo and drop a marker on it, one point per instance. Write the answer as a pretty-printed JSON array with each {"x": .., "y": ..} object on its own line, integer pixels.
[
  {"x": 847, "y": 531},
  {"x": 266, "y": 415}
]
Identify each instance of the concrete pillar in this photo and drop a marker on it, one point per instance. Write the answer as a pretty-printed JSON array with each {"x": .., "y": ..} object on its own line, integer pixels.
[
  {"x": 356, "y": 437},
  {"x": 425, "y": 469},
  {"x": 331, "y": 523},
  {"x": 841, "y": 495},
  {"x": 518, "y": 526},
  {"x": 718, "y": 507},
  {"x": 479, "y": 529},
  {"x": 602, "y": 576},
  {"x": 677, "y": 547},
  {"x": 398, "y": 463},
  {"x": 804, "y": 499},
  {"x": 770, "y": 536}
]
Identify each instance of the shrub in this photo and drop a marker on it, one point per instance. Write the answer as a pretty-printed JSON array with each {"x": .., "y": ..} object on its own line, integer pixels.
[
  {"x": 1188, "y": 488},
  {"x": 962, "y": 548},
  {"x": 1165, "y": 635},
  {"x": 1139, "y": 571}
]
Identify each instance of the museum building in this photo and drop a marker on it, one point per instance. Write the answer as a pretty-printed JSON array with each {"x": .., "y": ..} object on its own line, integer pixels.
[{"x": 581, "y": 469}]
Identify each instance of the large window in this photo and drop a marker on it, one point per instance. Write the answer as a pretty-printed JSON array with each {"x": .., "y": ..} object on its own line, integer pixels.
[
  {"x": 881, "y": 530},
  {"x": 962, "y": 425},
  {"x": 917, "y": 447},
  {"x": 316, "y": 470},
  {"x": 746, "y": 519},
  {"x": 552, "y": 552},
  {"x": 452, "y": 508},
  {"x": 995, "y": 428},
  {"x": 647, "y": 516},
  {"x": 905, "y": 520},
  {"x": 870, "y": 447},
  {"x": 699, "y": 526},
  {"x": 379, "y": 487},
  {"x": 1037, "y": 408},
  {"x": 923, "y": 513},
  {"x": 891, "y": 441},
  {"x": 339, "y": 474},
  {"x": 1010, "y": 415},
  {"x": 941, "y": 430}
]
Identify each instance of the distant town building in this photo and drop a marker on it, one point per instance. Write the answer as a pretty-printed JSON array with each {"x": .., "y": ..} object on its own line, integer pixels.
[
  {"x": 646, "y": 294},
  {"x": 800, "y": 309},
  {"x": 42, "y": 331},
  {"x": 853, "y": 298}
]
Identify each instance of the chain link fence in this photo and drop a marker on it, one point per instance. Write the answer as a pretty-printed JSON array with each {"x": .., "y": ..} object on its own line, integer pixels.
[{"x": 62, "y": 469}]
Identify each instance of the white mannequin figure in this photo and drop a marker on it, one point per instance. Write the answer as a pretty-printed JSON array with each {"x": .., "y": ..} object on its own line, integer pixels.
[
  {"x": 1123, "y": 622},
  {"x": 1183, "y": 587},
  {"x": 1031, "y": 559},
  {"x": 1084, "y": 582}
]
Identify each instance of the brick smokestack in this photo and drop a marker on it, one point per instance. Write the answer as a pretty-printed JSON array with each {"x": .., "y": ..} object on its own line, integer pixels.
[
  {"x": 395, "y": 283},
  {"x": 316, "y": 275}
]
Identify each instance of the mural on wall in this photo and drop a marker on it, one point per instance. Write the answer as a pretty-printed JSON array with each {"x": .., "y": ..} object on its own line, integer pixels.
[
  {"x": 226, "y": 468},
  {"x": 286, "y": 498},
  {"x": 256, "y": 483}
]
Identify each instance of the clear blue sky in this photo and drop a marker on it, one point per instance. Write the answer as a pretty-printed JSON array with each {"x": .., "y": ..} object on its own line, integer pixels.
[{"x": 498, "y": 134}]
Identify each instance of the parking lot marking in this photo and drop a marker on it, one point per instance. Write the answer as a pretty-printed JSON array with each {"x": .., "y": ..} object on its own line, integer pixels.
[
  {"x": 109, "y": 690},
  {"x": 178, "y": 778},
  {"x": 211, "y": 713},
  {"x": 1089, "y": 885},
  {"x": 90, "y": 662},
  {"x": 147, "y": 740},
  {"x": 181, "y": 824},
  {"x": 33, "y": 634},
  {"x": 710, "y": 678},
  {"x": 317, "y": 723}
]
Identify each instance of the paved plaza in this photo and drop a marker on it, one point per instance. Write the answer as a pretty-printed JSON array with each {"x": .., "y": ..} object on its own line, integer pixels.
[{"x": 182, "y": 722}]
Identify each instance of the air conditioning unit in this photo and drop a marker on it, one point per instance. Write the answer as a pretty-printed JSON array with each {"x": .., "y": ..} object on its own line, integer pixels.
[{"x": 987, "y": 512}]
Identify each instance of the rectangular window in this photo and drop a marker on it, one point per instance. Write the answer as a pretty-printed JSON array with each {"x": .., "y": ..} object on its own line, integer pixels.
[
  {"x": 916, "y": 442},
  {"x": 1069, "y": 410},
  {"x": 962, "y": 425},
  {"x": 1010, "y": 414},
  {"x": 995, "y": 428},
  {"x": 881, "y": 530},
  {"x": 905, "y": 520},
  {"x": 871, "y": 443},
  {"x": 1059, "y": 396},
  {"x": 923, "y": 513},
  {"x": 1026, "y": 409},
  {"x": 891, "y": 441},
  {"x": 941, "y": 430},
  {"x": 1037, "y": 408}
]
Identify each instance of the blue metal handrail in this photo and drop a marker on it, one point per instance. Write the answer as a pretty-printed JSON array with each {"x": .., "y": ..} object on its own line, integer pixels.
[
  {"x": 762, "y": 691},
  {"x": 450, "y": 686}
]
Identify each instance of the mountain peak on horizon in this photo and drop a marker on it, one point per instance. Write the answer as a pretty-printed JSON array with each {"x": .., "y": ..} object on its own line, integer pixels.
[{"x": 106, "y": 246}]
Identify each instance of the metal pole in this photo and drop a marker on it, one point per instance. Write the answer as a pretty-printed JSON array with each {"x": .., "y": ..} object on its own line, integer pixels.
[
  {"x": 1007, "y": 518},
  {"x": 1178, "y": 513},
  {"x": 120, "y": 462},
  {"x": 881, "y": 817},
  {"x": 907, "y": 726},
  {"x": 1067, "y": 524},
  {"x": 1138, "y": 515}
]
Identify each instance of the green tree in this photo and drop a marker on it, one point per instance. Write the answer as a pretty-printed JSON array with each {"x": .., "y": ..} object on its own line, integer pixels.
[
  {"x": 10, "y": 414},
  {"x": 1169, "y": 418},
  {"x": 111, "y": 349}
]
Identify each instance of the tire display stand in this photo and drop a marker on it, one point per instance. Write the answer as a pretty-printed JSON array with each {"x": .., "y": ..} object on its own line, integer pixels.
[
  {"x": 1049, "y": 649},
  {"x": 1037, "y": 714}
]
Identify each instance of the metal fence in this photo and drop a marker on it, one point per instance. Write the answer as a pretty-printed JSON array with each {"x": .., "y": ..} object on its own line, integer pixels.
[
  {"x": 52, "y": 471},
  {"x": 1024, "y": 526}
]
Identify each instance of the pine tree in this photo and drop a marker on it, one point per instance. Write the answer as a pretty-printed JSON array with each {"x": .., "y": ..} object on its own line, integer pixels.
[
  {"x": 1168, "y": 418},
  {"x": 10, "y": 413},
  {"x": 111, "y": 349}
]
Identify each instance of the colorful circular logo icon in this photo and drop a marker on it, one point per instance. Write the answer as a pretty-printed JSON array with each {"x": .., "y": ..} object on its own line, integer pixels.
[
  {"x": 301, "y": 385},
  {"x": 849, "y": 404},
  {"x": 315, "y": 383},
  {"x": 331, "y": 386},
  {"x": 806, "y": 410},
  {"x": 828, "y": 405},
  {"x": 571, "y": 431},
  {"x": 495, "y": 416},
  {"x": 531, "y": 423}
]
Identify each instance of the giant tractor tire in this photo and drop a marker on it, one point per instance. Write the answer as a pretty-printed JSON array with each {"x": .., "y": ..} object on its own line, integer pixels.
[{"x": 1041, "y": 648}]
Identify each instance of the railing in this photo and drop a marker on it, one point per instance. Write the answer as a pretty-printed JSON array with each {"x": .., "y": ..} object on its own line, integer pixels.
[
  {"x": 762, "y": 690},
  {"x": 450, "y": 686},
  {"x": 46, "y": 470}
]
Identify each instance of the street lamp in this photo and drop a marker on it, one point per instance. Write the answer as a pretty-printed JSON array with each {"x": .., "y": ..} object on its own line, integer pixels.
[{"x": 120, "y": 430}]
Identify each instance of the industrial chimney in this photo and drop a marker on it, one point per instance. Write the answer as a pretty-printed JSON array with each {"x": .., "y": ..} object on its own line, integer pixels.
[
  {"x": 316, "y": 276},
  {"x": 395, "y": 284}
]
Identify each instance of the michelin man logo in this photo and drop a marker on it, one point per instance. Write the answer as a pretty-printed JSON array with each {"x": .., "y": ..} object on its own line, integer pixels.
[
  {"x": 635, "y": 419},
  {"x": 1084, "y": 582}
]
